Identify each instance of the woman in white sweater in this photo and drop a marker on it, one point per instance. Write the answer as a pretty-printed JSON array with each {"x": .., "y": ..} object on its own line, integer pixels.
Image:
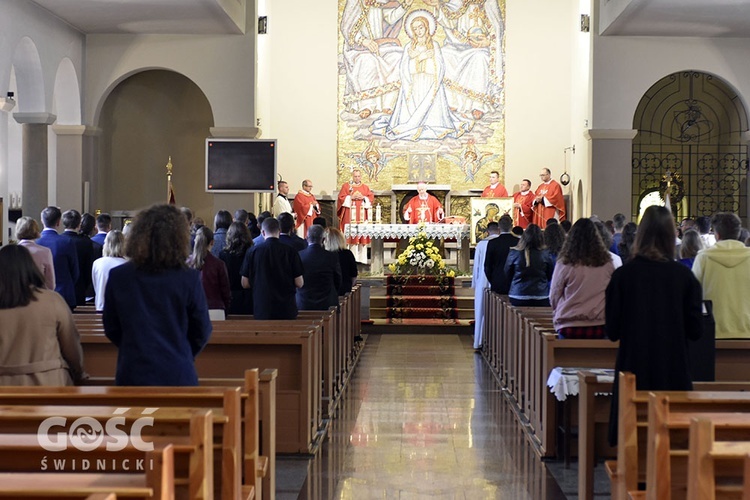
[
  {"x": 581, "y": 276},
  {"x": 112, "y": 256}
]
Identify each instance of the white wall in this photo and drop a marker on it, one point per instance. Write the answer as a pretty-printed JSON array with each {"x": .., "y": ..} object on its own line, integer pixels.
[
  {"x": 625, "y": 68},
  {"x": 540, "y": 47},
  {"x": 54, "y": 41},
  {"x": 301, "y": 90}
]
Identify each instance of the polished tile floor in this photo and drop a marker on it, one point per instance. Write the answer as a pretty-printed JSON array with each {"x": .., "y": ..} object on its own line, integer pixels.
[{"x": 423, "y": 418}]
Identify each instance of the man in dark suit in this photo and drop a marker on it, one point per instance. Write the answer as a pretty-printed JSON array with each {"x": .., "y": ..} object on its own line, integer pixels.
[
  {"x": 103, "y": 225},
  {"x": 71, "y": 221},
  {"x": 64, "y": 255},
  {"x": 288, "y": 236},
  {"x": 322, "y": 274},
  {"x": 497, "y": 254},
  {"x": 274, "y": 272}
]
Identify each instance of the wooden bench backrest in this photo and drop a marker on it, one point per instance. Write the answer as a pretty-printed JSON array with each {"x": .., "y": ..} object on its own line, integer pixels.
[
  {"x": 706, "y": 453},
  {"x": 157, "y": 483},
  {"x": 633, "y": 414}
]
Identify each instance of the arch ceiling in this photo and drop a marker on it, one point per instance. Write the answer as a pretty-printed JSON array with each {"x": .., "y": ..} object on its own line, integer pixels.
[
  {"x": 684, "y": 18},
  {"x": 193, "y": 17}
]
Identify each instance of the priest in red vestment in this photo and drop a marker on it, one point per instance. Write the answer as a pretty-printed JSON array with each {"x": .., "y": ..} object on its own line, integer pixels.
[
  {"x": 495, "y": 189},
  {"x": 354, "y": 204},
  {"x": 523, "y": 203},
  {"x": 549, "y": 202},
  {"x": 305, "y": 207},
  {"x": 423, "y": 207}
]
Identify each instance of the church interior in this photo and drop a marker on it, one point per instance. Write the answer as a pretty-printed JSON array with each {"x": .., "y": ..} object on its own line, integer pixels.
[{"x": 617, "y": 98}]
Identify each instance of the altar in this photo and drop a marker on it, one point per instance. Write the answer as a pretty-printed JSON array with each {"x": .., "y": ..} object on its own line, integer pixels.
[{"x": 379, "y": 232}]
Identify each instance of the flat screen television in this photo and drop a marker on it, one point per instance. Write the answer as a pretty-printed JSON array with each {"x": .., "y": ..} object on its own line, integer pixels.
[{"x": 240, "y": 165}]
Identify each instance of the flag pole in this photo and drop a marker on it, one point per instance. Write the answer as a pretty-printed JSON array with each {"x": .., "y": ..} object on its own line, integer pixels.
[{"x": 170, "y": 192}]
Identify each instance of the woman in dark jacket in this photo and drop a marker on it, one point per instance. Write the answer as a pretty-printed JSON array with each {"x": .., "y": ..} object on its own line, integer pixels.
[
  {"x": 155, "y": 309},
  {"x": 529, "y": 270},
  {"x": 653, "y": 307},
  {"x": 238, "y": 244},
  {"x": 336, "y": 243}
]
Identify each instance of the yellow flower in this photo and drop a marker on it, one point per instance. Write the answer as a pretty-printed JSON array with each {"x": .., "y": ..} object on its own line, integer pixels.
[
  {"x": 451, "y": 273},
  {"x": 392, "y": 267},
  {"x": 441, "y": 265},
  {"x": 429, "y": 243},
  {"x": 420, "y": 246},
  {"x": 422, "y": 234},
  {"x": 434, "y": 257}
]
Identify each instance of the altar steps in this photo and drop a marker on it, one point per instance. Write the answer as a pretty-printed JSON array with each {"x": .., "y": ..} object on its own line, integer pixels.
[{"x": 421, "y": 306}]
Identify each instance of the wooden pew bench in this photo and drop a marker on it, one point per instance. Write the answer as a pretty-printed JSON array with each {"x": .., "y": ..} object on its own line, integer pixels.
[
  {"x": 157, "y": 483},
  {"x": 631, "y": 465},
  {"x": 311, "y": 362},
  {"x": 228, "y": 354},
  {"x": 229, "y": 437},
  {"x": 718, "y": 468},
  {"x": 186, "y": 431},
  {"x": 257, "y": 401},
  {"x": 669, "y": 439}
]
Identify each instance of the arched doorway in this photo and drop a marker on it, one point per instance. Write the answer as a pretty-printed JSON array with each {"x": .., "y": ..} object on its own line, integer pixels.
[
  {"x": 691, "y": 128},
  {"x": 146, "y": 119}
]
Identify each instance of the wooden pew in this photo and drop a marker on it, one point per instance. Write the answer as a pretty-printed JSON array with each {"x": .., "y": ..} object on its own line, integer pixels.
[
  {"x": 667, "y": 457},
  {"x": 238, "y": 404},
  {"x": 258, "y": 396},
  {"x": 633, "y": 416},
  {"x": 228, "y": 354},
  {"x": 709, "y": 459},
  {"x": 156, "y": 483},
  {"x": 338, "y": 351}
]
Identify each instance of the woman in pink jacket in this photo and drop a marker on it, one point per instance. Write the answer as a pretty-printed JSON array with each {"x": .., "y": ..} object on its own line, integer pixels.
[{"x": 584, "y": 268}]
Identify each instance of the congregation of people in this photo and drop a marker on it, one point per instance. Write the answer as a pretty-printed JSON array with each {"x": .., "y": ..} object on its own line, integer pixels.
[
  {"x": 642, "y": 284},
  {"x": 158, "y": 283}
]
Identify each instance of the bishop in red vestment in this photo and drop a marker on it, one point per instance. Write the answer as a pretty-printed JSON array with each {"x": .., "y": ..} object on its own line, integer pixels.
[{"x": 423, "y": 207}]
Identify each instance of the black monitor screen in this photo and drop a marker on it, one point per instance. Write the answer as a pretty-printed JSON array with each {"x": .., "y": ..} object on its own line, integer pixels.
[{"x": 240, "y": 165}]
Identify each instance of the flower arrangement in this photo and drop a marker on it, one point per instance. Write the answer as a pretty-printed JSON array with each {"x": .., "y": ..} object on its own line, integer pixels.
[{"x": 421, "y": 256}]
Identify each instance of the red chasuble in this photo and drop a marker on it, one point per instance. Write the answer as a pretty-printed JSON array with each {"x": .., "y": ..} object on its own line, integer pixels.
[
  {"x": 552, "y": 192},
  {"x": 498, "y": 191},
  {"x": 301, "y": 206},
  {"x": 354, "y": 211},
  {"x": 523, "y": 216},
  {"x": 429, "y": 210}
]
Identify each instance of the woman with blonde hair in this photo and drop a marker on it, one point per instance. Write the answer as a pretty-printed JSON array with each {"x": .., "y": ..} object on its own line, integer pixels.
[
  {"x": 112, "y": 256},
  {"x": 239, "y": 244},
  {"x": 336, "y": 243},
  {"x": 27, "y": 230}
]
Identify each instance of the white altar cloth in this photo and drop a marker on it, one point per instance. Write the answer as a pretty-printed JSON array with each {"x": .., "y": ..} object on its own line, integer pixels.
[{"x": 403, "y": 231}]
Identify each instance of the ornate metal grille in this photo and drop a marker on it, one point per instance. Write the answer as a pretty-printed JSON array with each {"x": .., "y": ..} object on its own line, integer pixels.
[{"x": 691, "y": 126}]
